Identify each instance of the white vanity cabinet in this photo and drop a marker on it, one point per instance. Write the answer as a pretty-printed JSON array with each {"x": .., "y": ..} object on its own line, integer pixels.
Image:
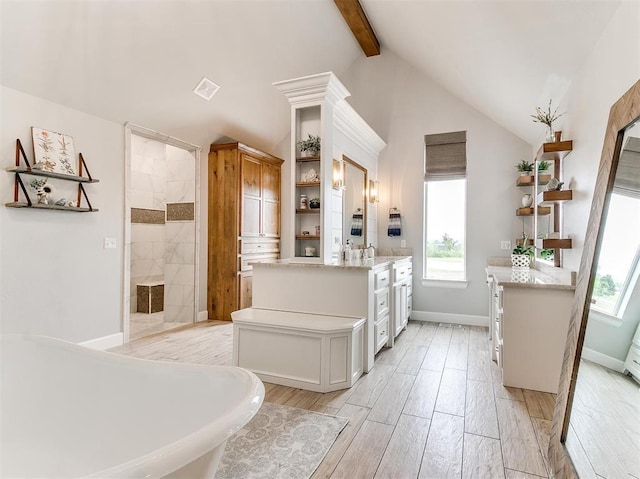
[
  {"x": 530, "y": 314},
  {"x": 402, "y": 296},
  {"x": 382, "y": 301}
]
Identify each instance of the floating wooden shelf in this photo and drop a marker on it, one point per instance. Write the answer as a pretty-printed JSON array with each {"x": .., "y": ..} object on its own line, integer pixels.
[
  {"x": 20, "y": 204},
  {"x": 527, "y": 180},
  {"x": 519, "y": 241},
  {"x": 557, "y": 243},
  {"x": 307, "y": 184},
  {"x": 554, "y": 151},
  {"x": 542, "y": 210},
  {"x": 308, "y": 211},
  {"x": 555, "y": 196},
  {"x": 18, "y": 170},
  {"x": 307, "y": 237},
  {"x": 302, "y": 159},
  {"x": 48, "y": 174}
]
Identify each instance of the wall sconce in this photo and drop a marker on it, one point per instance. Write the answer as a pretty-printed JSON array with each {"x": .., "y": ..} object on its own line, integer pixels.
[
  {"x": 374, "y": 188},
  {"x": 338, "y": 175}
]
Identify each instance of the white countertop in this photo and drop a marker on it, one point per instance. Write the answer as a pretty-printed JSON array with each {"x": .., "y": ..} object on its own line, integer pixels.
[
  {"x": 531, "y": 278},
  {"x": 354, "y": 264}
]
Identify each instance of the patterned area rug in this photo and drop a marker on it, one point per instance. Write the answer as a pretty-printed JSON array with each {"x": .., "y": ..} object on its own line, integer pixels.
[{"x": 280, "y": 442}]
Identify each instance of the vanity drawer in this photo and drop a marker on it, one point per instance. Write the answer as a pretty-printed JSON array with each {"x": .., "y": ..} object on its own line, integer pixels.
[
  {"x": 401, "y": 273},
  {"x": 382, "y": 279},
  {"x": 382, "y": 303},
  {"x": 381, "y": 332},
  {"x": 259, "y": 245}
]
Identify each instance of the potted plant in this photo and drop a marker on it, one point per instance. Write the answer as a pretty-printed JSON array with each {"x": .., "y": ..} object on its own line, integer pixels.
[
  {"x": 522, "y": 254},
  {"x": 547, "y": 118},
  {"x": 543, "y": 166},
  {"x": 524, "y": 167},
  {"x": 314, "y": 203},
  {"x": 310, "y": 146}
]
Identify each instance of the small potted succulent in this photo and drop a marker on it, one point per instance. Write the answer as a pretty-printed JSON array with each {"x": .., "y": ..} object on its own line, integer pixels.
[
  {"x": 310, "y": 146},
  {"x": 543, "y": 166},
  {"x": 522, "y": 254},
  {"x": 524, "y": 167}
]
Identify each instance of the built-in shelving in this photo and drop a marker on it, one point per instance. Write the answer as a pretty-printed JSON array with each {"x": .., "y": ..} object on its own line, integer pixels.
[
  {"x": 303, "y": 159},
  {"x": 308, "y": 211},
  {"x": 307, "y": 237},
  {"x": 308, "y": 184}
]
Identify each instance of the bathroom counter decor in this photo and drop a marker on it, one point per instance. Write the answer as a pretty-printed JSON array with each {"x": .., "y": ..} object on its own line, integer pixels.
[{"x": 357, "y": 264}]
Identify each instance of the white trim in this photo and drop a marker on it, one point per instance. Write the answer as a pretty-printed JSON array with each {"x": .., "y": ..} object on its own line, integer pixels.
[
  {"x": 444, "y": 283},
  {"x": 450, "y": 318},
  {"x": 202, "y": 316},
  {"x": 602, "y": 359},
  {"x": 105, "y": 342},
  {"x": 605, "y": 318}
]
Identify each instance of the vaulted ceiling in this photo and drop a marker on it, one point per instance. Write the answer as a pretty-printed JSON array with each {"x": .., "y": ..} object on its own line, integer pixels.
[{"x": 140, "y": 60}]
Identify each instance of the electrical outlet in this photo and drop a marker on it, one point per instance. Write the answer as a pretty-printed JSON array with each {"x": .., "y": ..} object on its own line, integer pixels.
[
  {"x": 403, "y": 243},
  {"x": 505, "y": 244},
  {"x": 109, "y": 243}
]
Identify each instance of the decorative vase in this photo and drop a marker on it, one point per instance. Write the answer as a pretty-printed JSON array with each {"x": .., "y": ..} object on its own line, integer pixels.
[
  {"x": 551, "y": 137},
  {"x": 520, "y": 261},
  {"x": 527, "y": 200}
]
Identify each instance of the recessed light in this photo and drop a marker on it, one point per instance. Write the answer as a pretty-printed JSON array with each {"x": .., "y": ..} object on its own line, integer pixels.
[{"x": 206, "y": 88}]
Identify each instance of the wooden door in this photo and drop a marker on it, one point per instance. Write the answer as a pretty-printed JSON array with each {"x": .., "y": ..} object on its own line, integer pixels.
[
  {"x": 270, "y": 200},
  {"x": 251, "y": 196}
]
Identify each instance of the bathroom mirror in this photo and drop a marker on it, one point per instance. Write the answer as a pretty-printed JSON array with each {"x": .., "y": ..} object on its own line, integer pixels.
[
  {"x": 354, "y": 203},
  {"x": 596, "y": 416}
]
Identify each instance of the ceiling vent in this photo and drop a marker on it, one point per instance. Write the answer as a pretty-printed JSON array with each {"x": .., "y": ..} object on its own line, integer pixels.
[{"x": 206, "y": 88}]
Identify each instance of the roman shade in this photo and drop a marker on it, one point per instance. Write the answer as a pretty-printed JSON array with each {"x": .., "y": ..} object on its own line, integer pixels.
[
  {"x": 627, "y": 180},
  {"x": 445, "y": 156}
]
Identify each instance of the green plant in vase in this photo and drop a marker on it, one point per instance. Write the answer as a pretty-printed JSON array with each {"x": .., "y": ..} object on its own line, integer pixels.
[
  {"x": 547, "y": 118},
  {"x": 543, "y": 166},
  {"x": 310, "y": 146},
  {"x": 522, "y": 254},
  {"x": 524, "y": 167}
]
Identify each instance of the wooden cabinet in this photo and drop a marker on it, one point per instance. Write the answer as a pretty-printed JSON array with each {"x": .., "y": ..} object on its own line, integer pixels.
[{"x": 244, "y": 222}]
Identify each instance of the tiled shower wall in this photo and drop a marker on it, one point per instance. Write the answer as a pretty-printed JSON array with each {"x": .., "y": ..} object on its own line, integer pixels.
[
  {"x": 163, "y": 224},
  {"x": 180, "y": 236}
]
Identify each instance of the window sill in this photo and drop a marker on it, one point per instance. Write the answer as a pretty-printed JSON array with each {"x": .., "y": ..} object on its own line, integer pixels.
[
  {"x": 605, "y": 318},
  {"x": 444, "y": 283}
]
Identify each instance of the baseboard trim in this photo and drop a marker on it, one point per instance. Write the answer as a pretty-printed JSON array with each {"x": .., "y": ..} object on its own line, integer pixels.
[
  {"x": 105, "y": 342},
  {"x": 452, "y": 318},
  {"x": 202, "y": 316},
  {"x": 602, "y": 359}
]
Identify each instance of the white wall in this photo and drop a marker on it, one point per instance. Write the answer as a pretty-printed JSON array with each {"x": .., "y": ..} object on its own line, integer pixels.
[
  {"x": 611, "y": 69},
  {"x": 402, "y": 105},
  {"x": 56, "y": 278}
]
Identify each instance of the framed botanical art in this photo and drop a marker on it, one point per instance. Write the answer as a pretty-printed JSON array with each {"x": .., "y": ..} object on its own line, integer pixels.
[{"x": 53, "y": 152}]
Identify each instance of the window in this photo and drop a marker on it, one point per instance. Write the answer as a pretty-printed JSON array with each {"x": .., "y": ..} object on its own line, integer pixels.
[
  {"x": 445, "y": 207},
  {"x": 618, "y": 263}
]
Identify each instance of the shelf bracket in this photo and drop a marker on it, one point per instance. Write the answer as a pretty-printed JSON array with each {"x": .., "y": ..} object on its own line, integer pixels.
[
  {"x": 80, "y": 166},
  {"x": 82, "y": 192}
]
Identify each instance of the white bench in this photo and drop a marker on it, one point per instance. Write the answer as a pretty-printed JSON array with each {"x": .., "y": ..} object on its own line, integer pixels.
[{"x": 308, "y": 351}]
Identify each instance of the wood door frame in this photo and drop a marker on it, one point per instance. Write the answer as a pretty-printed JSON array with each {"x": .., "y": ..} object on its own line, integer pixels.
[{"x": 137, "y": 130}]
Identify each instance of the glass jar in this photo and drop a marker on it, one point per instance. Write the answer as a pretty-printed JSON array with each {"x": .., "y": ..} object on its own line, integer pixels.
[{"x": 304, "y": 202}]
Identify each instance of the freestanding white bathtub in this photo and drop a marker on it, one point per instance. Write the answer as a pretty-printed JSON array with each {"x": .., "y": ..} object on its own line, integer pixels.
[{"x": 68, "y": 411}]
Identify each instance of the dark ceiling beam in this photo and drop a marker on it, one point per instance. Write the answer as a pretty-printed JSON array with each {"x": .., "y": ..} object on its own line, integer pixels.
[{"x": 355, "y": 17}]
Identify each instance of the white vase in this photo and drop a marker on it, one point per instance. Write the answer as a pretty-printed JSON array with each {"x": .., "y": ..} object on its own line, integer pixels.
[
  {"x": 520, "y": 261},
  {"x": 527, "y": 200}
]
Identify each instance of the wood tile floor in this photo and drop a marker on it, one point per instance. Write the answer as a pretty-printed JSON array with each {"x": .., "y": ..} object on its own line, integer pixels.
[
  {"x": 143, "y": 324},
  {"x": 432, "y": 407}
]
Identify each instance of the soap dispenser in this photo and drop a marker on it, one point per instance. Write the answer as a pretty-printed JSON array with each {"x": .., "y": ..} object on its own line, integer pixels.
[
  {"x": 371, "y": 251},
  {"x": 347, "y": 251}
]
